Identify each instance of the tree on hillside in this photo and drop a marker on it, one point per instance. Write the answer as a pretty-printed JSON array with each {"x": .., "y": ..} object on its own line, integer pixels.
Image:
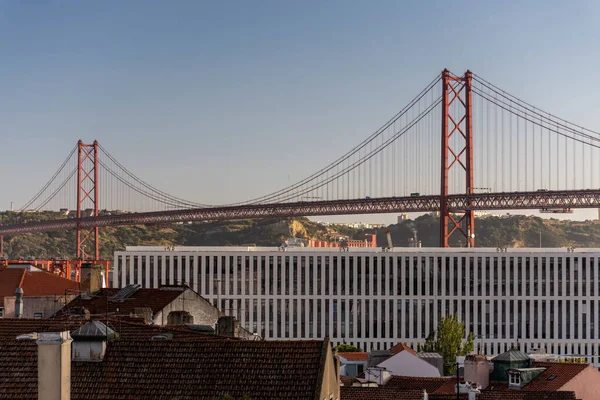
[
  {"x": 347, "y": 348},
  {"x": 448, "y": 340}
]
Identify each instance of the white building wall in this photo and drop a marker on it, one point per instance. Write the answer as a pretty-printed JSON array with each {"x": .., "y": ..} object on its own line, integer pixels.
[{"x": 531, "y": 298}]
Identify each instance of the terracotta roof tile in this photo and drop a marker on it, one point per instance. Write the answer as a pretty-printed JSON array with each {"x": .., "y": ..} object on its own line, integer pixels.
[
  {"x": 38, "y": 283},
  {"x": 402, "y": 347},
  {"x": 130, "y": 330},
  {"x": 432, "y": 385},
  {"x": 555, "y": 376},
  {"x": 378, "y": 393},
  {"x": 348, "y": 380},
  {"x": 524, "y": 395},
  {"x": 355, "y": 356},
  {"x": 155, "y": 299},
  {"x": 387, "y": 393},
  {"x": 188, "y": 370}
]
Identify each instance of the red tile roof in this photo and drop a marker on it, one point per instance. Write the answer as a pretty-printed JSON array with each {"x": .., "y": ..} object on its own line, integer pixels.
[
  {"x": 155, "y": 299},
  {"x": 37, "y": 283},
  {"x": 387, "y": 392},
  {"x": 348, "y": 380},
  {"x": 432, "y": 385},
  {"x": 188, "y": 370},
  {"x": 378, "y": 393},
  {"x": 523, "y": 395},
  {"x": 355, "y": 356},
  {"x": 559, "y": 374},
  {"x": 127, "y": 329},
  {"x": 562, "y": 373},
  {"x": 402, "y": 347}
]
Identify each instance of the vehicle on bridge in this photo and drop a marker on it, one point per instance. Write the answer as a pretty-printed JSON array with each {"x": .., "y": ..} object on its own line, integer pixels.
[{"x": 556, "y": 210}]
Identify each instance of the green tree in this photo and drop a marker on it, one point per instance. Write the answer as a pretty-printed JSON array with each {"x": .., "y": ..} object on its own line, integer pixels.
[
  {"x": 347, "y": 348},
  {"x": 448, "y": 340}
]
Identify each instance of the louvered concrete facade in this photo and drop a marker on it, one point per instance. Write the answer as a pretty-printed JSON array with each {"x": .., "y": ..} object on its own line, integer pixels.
[{"x": 536, "y": 298}]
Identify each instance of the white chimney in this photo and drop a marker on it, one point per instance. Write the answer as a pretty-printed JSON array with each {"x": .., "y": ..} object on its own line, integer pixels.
[
  {"x": 54, "y": 366},
  {"x": 19, "y": 302},
  {"x": 473, "y": 392}
]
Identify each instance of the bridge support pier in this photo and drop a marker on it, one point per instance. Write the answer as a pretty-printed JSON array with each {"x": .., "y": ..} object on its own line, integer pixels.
[{"x": 457, "y": 155}]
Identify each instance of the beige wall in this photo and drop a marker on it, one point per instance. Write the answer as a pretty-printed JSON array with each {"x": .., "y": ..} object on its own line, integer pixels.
[
  {"x": 203, "y": 312},
  {"x": 54, "y": 366},
  {"x": 331, "y": 378},
  {"x": 586, "y": 384},
  {"x": 47, "y": 305}
]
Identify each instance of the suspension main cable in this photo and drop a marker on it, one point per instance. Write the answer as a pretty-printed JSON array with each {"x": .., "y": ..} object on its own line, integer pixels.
[{"x": 37, "y": 196}]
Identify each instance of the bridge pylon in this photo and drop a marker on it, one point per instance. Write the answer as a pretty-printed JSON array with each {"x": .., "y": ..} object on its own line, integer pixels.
[
  {"x": 457, "y": 155},
  {"x": 87, "y": 195}
]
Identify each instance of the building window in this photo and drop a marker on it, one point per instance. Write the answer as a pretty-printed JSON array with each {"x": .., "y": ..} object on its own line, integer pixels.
[
  {"x": 514, "y": 379},
  {"x": 38, "y": 315},
  {"x": 1, "y": 312}
]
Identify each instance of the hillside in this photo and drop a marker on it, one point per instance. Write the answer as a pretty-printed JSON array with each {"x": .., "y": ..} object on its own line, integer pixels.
[{"x": 509, "y": 231}]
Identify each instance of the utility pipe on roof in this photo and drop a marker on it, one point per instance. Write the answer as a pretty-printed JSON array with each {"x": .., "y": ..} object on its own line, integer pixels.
[{"x": 19, "y": 302}]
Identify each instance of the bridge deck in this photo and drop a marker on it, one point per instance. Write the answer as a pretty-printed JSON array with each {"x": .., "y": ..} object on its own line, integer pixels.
[{"x": 484, "y": 201}]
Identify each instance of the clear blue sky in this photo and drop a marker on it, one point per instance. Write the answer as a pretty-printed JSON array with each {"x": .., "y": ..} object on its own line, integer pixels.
[{"x": 222, "y": 101}]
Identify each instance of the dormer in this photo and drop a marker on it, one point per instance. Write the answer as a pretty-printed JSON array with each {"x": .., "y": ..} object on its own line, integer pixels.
[
  {"x": 519, "y": 377},
  {"x": 89, "y": 341},
  {"x": 512, "y": 359}
]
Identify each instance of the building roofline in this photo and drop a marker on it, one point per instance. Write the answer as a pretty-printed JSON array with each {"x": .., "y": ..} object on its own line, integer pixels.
[{"x": 370, "y": 250}]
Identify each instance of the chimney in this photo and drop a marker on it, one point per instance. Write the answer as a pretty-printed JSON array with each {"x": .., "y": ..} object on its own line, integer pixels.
[
  {"x": 54, "y": 366},
  {"x": 473, "y": 393},
  {"x": 228, "y": 326},
  {"x": 477, "y": 370},
  {"x": 91, "y": 276},
  {"x": 19, "y": 303},
  {"x": 144, "y": 312}
]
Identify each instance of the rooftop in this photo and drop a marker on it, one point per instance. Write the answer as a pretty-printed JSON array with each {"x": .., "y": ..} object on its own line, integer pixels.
[
  {"x": 246, "y": 249},
  {"x": 127, "y": 329},
  {"x": 93, "y": 330},
  {"x": 183, "y": 370},
  {"x": 511, "y": 356},
  {"x": 555, "y": 376},
  {"x": 404, "y": 387},
  {"x": 432, "y": 385},
  {"x": 355, "y": 355},
  {"x": 400, "y": 347},
  {"x": 34, "y": 282},
  {"x": 101, "y": 304}
]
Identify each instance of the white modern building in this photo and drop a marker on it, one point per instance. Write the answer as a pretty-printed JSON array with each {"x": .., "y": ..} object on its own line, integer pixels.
[{"x": 536, "y": 299}]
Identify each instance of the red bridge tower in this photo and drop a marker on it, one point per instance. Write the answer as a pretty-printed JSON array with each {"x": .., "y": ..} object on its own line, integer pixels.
[
  {"x": 87, "y": 194},
  {"x": 457, "y": 119}
]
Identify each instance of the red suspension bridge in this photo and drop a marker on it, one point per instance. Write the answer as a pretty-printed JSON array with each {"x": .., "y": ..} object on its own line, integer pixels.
[{"x": 495, "y": 152}]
